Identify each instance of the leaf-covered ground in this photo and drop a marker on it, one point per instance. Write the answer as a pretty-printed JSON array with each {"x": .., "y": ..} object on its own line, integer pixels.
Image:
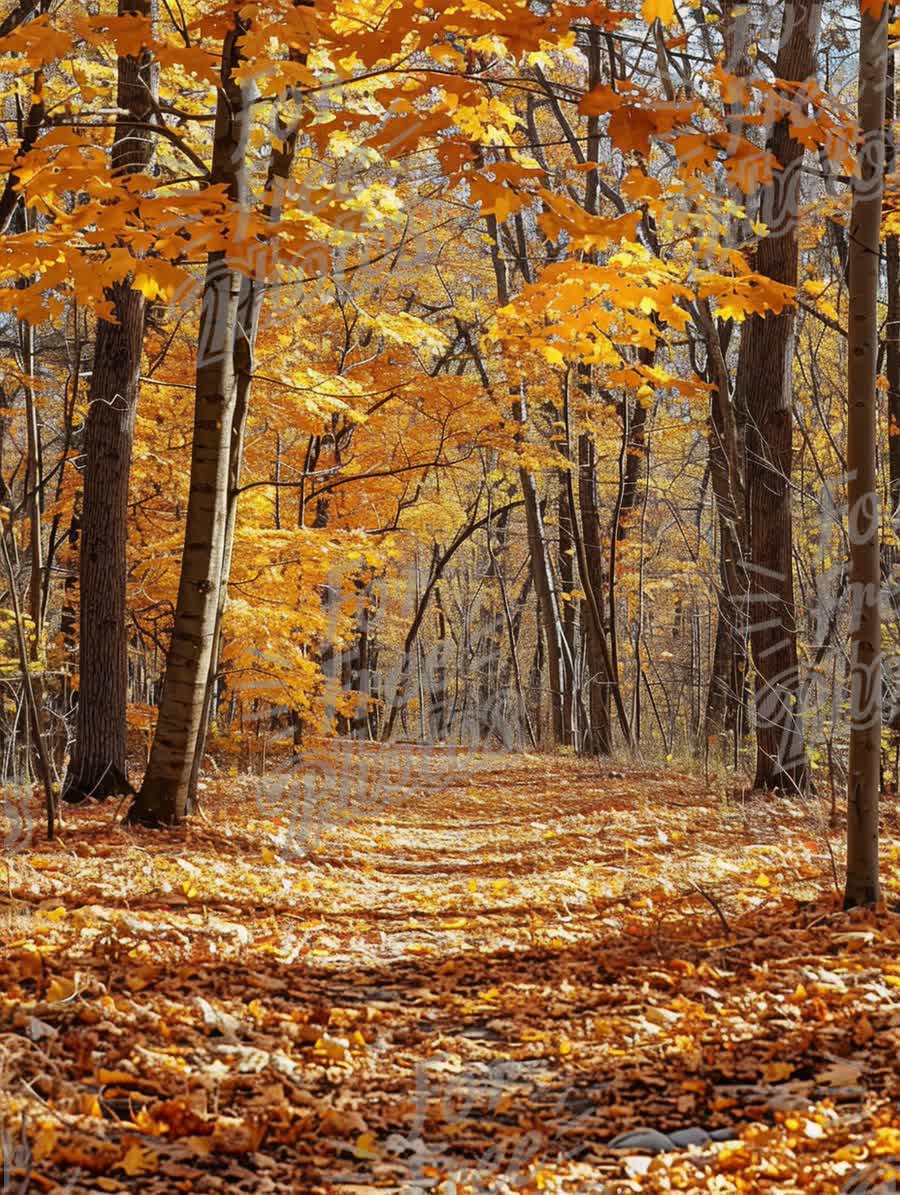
[{"x": 400, "y": 970}]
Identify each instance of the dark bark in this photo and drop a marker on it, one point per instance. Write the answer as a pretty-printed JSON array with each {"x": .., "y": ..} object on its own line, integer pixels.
[
  {"x": 490, "y": 638},
  {"x": 764, "y": 383},
  {"x": 361, "y": 678},
  {"x": 98, "y": 765},
  {"x": 566, "y": 557},
  {"x": 11, "y": 199},
  {"x": 892, "y": 374},
  {"x": 538, "y": 547},
  {"x": 591, "y": 586},
  {"x": 726, "y": 697},
  {"x": 892, "y": 326},
  {"x": 631, "y": 455},
  {"x": 863, "y": 766},
  {"x": 635, "y": 423}
]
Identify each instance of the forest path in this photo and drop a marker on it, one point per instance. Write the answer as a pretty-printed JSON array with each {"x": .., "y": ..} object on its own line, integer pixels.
[{"x": 384, "y": 969}]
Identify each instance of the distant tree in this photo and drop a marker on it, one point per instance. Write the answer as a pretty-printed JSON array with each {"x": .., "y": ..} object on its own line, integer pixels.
[{"x": 863, "y": 494}]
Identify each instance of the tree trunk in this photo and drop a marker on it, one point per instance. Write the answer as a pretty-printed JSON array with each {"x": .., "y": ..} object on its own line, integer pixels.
[
  {"x": 98, "y": 768},
  {"x": 548, "y": 599},
  {"x": 764, "y": 383},
  {"x": 727, "y": 439},
  {"x": 590, "y": 584},
  {"x": 490, "y": 638},
  {"x": 566, "y": 557},
  {"x": 892, "y": 323},
  {"x": 891, "y": 709},
  {"x": 599, "y": 691},
  {"x": 631, "y": 454},
  {"x": 249, "y": 310},
  {"x": 865, "y": 566},
  {"x": 892, "y": 371},
  {"x": 538, "y": 548},
  {"x": 163, "y": 799},
  {"x": 725, "y": 700}
]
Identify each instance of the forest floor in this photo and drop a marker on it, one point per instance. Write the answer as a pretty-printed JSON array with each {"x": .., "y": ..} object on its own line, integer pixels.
[{"x": 407, "y": 970}]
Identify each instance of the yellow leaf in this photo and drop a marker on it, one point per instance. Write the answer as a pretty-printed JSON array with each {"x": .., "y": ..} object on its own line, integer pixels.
[
  {"x": 149, "y": 287},
  {"x": 148, "y": 1124},
  {"x": 190, "y": 889},
  {"x": 335, "y": 1048},
  {"x": 42, "y": 863},
  {"x": 529, "y": 1034},
  {"x": 365, "y": 1146},
  {"x": 44, "y": 1142},
  {"x": 658, "y": 10},
  {"x": 60, "y": 989}
]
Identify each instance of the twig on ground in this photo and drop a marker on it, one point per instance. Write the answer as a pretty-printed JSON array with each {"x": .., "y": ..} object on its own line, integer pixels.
[{"x": 710, "y": 899}]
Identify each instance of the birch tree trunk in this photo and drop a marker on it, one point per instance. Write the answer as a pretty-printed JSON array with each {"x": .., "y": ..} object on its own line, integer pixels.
[
  {"x": 163, "y": 799},
  {"x": 98, "y": 767},
  {"x": 865, "y": 565},
  {"x": 249, "y": 310}
]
